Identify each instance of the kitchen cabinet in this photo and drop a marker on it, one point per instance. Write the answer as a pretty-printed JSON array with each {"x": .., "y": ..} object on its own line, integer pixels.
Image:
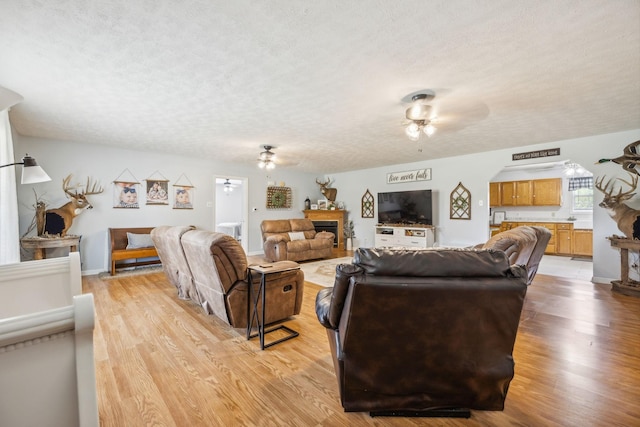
[
  {"x": 547, "y": 192},
  {"x": 536, "y": 192},
  {"x": 516, "y": 193},
  {"x": 551, "y": 226},
  {"x": 564, "y": 239},
  {"x": 583, "y": 242},
  {"x": 495, "y": 195}
]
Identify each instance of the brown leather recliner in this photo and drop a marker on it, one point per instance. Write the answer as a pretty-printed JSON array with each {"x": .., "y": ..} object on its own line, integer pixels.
[
  {"x": 167, "y": 242},
  {"x": 215, "y": 272},
  {"x": 420, "y": 330},
  {"x": 523, "y": 245},
  {"x": 294, "y": 240}
]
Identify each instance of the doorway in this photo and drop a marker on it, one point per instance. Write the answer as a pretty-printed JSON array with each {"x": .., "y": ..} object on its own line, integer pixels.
[
  {"x": 557, "y": 195},
  {"x": 230, "y": 212}
]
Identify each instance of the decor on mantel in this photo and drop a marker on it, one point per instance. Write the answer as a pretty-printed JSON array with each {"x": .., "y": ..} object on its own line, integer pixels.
[
  {"x": 329, "y": 193},
  {"x": 125, "y": 191},
  {"x": 420, "y": 117},
  {"x": 278, "y": 197},
  {"x": 267, "y": 158},
  {"x": 367, "y": 205},
  {"x": 460, "y": 207},
  {"x": 183, "y": 193},
  {"x": 157, "y": 189}
]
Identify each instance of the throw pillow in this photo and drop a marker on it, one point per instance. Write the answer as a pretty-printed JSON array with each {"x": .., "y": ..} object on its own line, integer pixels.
[
  {"x": 139, "y": 241},
  {"x": 298, "y": 235}
]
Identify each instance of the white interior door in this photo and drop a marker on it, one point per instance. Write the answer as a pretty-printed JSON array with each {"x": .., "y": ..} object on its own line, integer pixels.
[{"x": 230, "y": 209}]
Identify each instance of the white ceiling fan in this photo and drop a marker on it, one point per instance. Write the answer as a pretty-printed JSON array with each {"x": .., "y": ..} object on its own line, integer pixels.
[{"x": 427, "y": 114}]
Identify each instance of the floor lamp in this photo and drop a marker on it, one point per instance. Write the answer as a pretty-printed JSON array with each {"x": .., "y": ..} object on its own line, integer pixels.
[{"x": 31, "y": 172}]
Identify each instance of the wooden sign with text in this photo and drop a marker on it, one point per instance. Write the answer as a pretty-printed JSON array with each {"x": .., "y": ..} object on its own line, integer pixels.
[
  {"x": 409, "y": 176},
  {"x": 536, "y": 154}
]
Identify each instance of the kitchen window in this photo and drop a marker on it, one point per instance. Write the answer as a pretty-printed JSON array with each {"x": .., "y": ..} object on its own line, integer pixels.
[{"x": 582, "y": 200}]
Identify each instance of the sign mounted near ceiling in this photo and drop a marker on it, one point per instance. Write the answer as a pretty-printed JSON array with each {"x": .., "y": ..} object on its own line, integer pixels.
[
  {"x": 409, "y": 176},
  {"x": 536, "y": 154}
]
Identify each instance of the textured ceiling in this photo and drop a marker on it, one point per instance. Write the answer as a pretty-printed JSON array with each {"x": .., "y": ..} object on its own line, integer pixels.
[{"x": 322, "y": 81}]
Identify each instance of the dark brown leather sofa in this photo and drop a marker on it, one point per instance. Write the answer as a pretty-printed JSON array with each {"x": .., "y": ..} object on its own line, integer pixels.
[{"x": 413, "y": 331}]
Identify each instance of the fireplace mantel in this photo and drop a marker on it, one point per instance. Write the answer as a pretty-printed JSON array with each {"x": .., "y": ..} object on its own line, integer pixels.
[{"x": 339, "y": 215}]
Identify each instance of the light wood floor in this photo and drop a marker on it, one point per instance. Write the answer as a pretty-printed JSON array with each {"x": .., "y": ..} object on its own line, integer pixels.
[{"x": 161, "y": 362}]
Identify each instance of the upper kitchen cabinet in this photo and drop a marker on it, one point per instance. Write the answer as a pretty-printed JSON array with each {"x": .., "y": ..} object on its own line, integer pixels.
[
  {"x": 536, "y": 192},
  {"x": 547, "y": 192},
  {"x": 495, "y": 195},
  {"x": 516, "y": 193}
]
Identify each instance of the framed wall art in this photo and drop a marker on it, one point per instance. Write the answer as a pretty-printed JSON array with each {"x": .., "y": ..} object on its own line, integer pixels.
[
  {"x": 126, "y": 191},
  {"x": 183, "y": 191},
  {"x": 368, "y": 204},
  {"x": 460, "y": 203},
  {"x": 278, "y": 197}
]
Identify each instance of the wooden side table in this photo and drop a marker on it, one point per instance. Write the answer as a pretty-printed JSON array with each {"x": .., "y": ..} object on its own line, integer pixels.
[
  {"x": 41, "y": 244},
  {"x": 265, "y": 270},
  {"x": 625, "y": 285}
]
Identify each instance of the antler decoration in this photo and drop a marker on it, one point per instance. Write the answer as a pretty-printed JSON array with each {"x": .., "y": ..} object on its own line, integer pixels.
[
  {"x": 627, "y": 219},
  {"x": 56, "y": 222}
]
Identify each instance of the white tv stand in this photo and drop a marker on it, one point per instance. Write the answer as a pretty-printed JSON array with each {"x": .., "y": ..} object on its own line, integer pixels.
[{"x": 410, "y": 236}]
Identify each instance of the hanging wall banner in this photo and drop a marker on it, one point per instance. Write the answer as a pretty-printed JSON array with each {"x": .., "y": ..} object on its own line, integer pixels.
[
  {"x": 536, "y": 154},
  {"x": 409, "y": 176}
]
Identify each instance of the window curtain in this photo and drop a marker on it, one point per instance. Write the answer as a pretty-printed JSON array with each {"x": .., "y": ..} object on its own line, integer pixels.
[
  {"x": 9, "y": 228},
  {"x": 580, "y": 182}
]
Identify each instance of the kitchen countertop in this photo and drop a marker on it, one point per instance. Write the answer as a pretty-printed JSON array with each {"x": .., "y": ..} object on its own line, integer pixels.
[{"x": 580, "y": 224}]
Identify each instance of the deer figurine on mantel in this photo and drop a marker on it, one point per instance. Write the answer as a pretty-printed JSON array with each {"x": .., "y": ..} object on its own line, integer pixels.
[
  {"x": 627, "y": 218},
  {"x": 56, "y": 222},
  {"x": 329, "y": 193}
]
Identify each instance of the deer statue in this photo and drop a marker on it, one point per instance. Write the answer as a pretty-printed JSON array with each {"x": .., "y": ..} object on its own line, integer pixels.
[
  {"x": 628, "y": 219},
  {"x": 58, "y": 221},
  {"x": 329, "y": 193}
]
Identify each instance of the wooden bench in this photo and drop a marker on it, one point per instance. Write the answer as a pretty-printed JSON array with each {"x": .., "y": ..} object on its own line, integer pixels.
[{"x": 118, "y": 248}]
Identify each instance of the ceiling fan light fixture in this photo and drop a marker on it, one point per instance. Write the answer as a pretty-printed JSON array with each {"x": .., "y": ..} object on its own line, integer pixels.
[
  {"x": 413, "y": 131},
  {"x": 419, "y": 116},
  {"x": 429, "y": 129},
  {"x": 266, "y": 158},
  {"x": 228, "y": 188}
]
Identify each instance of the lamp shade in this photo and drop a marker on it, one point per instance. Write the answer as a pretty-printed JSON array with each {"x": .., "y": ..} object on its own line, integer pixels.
[{"x": 31, "y": 172}]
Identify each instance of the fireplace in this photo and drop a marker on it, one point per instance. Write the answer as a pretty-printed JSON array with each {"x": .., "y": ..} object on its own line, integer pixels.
[
  {"x": 331, "y": 226},
  {"x": 329, "y": 218}
]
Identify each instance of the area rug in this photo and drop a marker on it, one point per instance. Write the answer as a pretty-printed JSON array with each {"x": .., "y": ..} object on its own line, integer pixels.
[
  {"x": 136, "y": 271},
  {"x": 323, "y": 272}
]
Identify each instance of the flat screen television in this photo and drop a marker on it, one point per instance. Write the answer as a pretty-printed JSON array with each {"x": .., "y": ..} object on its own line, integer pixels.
[{"x": 405, "y": 207}]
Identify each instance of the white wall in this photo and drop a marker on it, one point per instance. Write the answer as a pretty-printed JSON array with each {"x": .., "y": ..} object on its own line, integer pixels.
[
  {"x": 475, "y": 171},
  {"x": 106, "y": 163}
]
